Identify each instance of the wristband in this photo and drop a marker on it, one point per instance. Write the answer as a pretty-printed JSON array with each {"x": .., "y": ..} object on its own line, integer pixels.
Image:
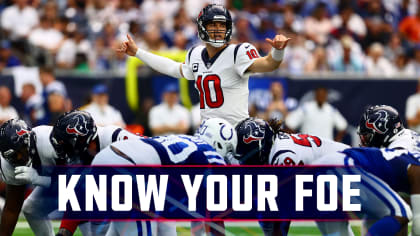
[{"x": 277, "y": 54}]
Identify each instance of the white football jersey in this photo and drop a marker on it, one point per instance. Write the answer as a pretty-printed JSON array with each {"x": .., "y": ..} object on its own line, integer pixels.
[
  {"x": 221, "y": 81},
  {"x": 45, "y": 152},
  {"x": 406, "y": 139},
  {"x": 301, "y": 149}
]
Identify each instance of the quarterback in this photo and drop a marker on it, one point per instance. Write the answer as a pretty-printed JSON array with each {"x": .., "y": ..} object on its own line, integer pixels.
[{"x": 220, "y": 70}]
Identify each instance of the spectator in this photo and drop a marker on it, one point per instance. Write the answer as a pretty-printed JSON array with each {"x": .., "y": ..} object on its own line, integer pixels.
[
  {"x": 394, "y": 47},
  {"x": 169, "y": 117},
  {"x": 46, "y": 36},
  {"x": 103, "y": 113},
  {"x": 378, "y": 23},
  {"x": 99, "y": 12},
  {"x": 319, "y": 25},
  {"x": 349, "y": 61},
  {"x": 56, "y": 106},
  {"x": 7, "y": 112},
  {"x": 279, "y": 105},
  {"x": 33, "y": 104},
  {"x": 127, "y": 11},
  {"x": 51, "y": 85},
  {"x": 7, "y": 59},
  {"x": 415, "y": 63},
  {"x": 318, "y": 118},
  {"x": 296, "y": 56},
  {"x": 410, "y": 27},
  {"x": 318, "y": 61},
  {"x": 412, "y": 110},
  {"x": 376, "y": 64},
  {"x": 272, "y": 103},
  {"x": 402, "y": 67},
  {"x": 348, "y": 22},
  {"x": 19, "y": 19}
]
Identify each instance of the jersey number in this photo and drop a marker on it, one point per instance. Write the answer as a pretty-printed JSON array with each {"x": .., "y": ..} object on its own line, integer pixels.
[
  {"x": 203, "y": 86},
  {"x": 302, "y": 139},
  {"x": 252, "y": 54}
]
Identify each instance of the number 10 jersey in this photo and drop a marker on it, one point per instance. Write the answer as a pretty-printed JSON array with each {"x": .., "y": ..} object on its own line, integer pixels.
[{"x": 221, "y": 81}]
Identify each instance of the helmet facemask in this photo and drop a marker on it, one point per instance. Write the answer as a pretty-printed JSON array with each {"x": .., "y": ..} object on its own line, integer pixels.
[{"x": 213, "y": 14}]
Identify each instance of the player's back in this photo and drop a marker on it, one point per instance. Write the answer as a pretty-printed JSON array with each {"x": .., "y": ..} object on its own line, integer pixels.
[
  {"x": 406, "y": 139},
  {"x": 301, "y": 149},
  {"x": 390, "y": 165},
  {"x": 164, "y": 150}
]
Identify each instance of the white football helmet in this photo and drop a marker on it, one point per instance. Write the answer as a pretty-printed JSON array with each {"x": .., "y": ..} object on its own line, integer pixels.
[{"x": 219, "y": 134}]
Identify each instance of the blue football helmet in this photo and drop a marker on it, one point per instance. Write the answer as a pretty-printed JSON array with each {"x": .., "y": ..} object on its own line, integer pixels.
[
  {"x": 213, "y": 13},
  {"x": 255, "y": 138},
  {"x": 17, "y": 142},
  {"x": 378, "y": 125},
  {"x": 72, "y": 134}
]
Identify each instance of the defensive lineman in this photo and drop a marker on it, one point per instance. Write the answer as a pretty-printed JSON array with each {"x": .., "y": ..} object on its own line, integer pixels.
[{"x": 220, "y": 70}]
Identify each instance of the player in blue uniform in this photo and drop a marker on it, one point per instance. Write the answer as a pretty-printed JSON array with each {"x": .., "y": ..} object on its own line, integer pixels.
[
  {"x": 168, "y": 150},
  {"x": 377, "y": 198},
  {"x": 215, "y": 140}
]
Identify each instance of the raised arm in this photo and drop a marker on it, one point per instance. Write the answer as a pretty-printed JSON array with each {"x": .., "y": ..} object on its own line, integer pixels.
[
  {"x": 273, "y": 60},
  {"x": 161, "y": 64}
]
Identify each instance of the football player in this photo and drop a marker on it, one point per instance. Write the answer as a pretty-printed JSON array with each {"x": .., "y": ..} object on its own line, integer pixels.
[
  {"x": 257, "y": 137},
  {"x": 21, "y": 146},
  {"x": 262, "y": 143},
  {"x": 386, "y": 171},
  {"x": 220, "y": 70},
  {"x": 215, "y": 138},
  {"x": 381, "y": 126},
  {"x": 217, "y": 133},
  {"x": 45, "y": 146}
]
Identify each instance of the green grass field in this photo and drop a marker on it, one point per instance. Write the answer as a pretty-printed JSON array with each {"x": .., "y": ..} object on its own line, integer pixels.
[{"x": 234, "y": 229}]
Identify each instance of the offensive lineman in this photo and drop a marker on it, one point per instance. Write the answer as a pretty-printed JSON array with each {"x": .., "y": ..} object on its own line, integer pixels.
[
  {"x": 25, "y": 152},
  {"x": 220, "y": 70},
  {"x": 384, "y": 203}
]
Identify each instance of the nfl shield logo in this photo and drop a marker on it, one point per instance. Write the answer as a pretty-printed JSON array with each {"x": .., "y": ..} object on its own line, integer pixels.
[{"x": 195, "y": 67}]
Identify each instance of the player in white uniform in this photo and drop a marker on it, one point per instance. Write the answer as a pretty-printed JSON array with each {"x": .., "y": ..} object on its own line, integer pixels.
[
  {"x": 262, "y": 143},
  {"x": 23, "y": 147},
  {"x": 220, "y": 70},
  {"x": 381, "y": 126},
  {"x": 42, "y": 154},
  {"x": 215, "y": 140}
]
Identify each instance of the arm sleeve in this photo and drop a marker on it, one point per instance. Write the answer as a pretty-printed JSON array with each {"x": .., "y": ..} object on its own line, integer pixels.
[
  {"x": 186, "y": 66},
  {"x": 244, "y": 57},
  {"x": 162, "y": 64}
]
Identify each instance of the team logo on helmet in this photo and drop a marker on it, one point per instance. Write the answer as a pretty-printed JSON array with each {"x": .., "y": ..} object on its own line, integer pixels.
[
  {"x": 77, "y": 126},
  {"x": 223, "y": 136},
  {"x": 378, "y": 124},
  {"x": 253, "y": 133},
  {"x": 22, "y": 132}
]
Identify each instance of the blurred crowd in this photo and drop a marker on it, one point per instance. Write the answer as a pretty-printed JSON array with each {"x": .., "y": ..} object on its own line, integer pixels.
[{"x": 374, "y": 37}]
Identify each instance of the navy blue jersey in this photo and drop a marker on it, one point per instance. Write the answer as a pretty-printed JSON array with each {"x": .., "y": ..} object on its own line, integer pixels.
[
  {"x": 184, "y": 150},
  {"x": 390, "y": 165}
]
